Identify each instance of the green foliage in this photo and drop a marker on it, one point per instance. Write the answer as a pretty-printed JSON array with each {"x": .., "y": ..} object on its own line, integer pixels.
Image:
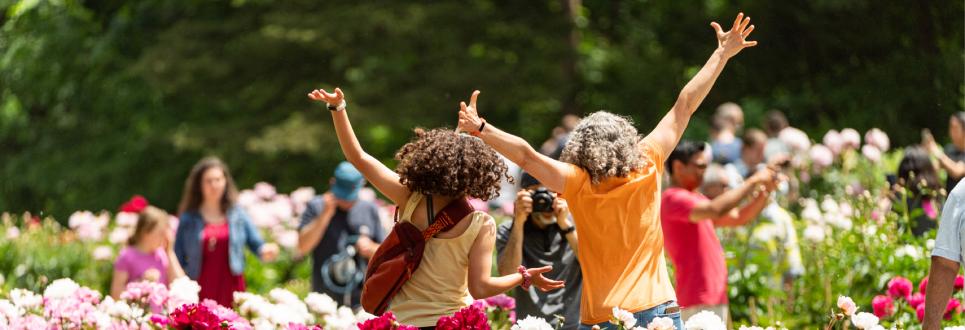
[{"x": 100, "y": 100}]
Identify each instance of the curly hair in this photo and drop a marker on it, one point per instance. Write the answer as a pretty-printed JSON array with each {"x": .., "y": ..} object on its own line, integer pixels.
[
  {"x": 443, "y": 162},
  {"x": 605, "y": 145}
]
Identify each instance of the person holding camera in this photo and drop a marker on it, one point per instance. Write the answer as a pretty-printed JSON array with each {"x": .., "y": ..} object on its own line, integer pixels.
[
  {"x": 689, "y": 220},
  {"x": 341, "y": 232},
  {"x": 542, "y": 234}
]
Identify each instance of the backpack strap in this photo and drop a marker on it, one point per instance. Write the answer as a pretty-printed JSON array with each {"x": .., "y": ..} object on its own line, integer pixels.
[{"x": 448, "y": 217}]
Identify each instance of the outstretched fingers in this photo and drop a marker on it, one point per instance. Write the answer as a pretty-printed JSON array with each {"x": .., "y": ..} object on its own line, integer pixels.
[
  {"x": 737, "y": 21},
  {"x": 717, "y": 28}
]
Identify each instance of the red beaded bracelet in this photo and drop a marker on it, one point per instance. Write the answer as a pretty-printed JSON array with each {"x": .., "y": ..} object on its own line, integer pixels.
[{"x": 527, "y": 279}]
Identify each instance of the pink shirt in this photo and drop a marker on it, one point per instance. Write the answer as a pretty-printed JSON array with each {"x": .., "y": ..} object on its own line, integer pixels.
[
  {"x": 135, "y": 263},
  {"x": 694, "y": 249}
]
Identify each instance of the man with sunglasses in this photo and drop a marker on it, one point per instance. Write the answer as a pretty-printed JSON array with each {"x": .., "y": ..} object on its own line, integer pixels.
[{"x": 689, "y": 218}]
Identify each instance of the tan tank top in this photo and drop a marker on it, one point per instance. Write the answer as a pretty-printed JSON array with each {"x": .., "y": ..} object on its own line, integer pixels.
[{"x": 440, "y": 286}]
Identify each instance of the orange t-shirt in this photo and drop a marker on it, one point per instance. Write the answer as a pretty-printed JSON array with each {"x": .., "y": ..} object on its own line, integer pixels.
[{"x": 621, "y": 241}]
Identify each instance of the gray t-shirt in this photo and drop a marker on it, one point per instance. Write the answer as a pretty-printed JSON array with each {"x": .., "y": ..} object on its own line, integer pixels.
[
  {"x": 951, "y": 229},
  {"x": 547, "y": 247},
  {"x": 342, "y": 230}
]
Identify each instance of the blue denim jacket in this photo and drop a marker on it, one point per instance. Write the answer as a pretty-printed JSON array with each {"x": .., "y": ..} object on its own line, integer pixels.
[{"x": 241, "y": 232}]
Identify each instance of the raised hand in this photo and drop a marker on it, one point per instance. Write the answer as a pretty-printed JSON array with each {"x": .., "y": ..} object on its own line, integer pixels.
[
  {"x": 334, "y": 99},
  {"x": 469, "y": 120},
  {"x": 541, "y": 282},
  {"x": 734, "y": 40}
]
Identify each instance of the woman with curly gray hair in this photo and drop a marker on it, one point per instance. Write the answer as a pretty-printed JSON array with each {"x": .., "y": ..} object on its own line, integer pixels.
[{"x": 611, "y": 178}]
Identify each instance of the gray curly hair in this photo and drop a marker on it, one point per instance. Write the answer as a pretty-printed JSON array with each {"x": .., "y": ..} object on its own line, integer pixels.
[{"x": 605, "y": 145}]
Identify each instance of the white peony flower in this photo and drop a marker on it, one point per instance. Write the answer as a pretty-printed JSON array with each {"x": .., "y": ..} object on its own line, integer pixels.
[
  {"x": 8, "y": 310},
  {"x": 847, "y": 305},
  {"x": 532, "y": 323},
  {"x": 851, "y": 138},
  {"x": 61, "y": 288},
  {"x": 877, "y": 138},
  {"x": 26, "y": 299},
  {"x": 814, "y": 233},
  {"x": 811, "y": 211},
  {"x": 864, "y": 320},
  {"x": 321, "y": 304},
  {"x": 182, "y": 291},
  {"x": 908, "y": 251},
  {"x": 126, "y": 219},
  {"x": 119, "y": 235},
  {"x": 744, "y": 327},
  {"x": 661, "y": 323},
  {"x": 705, "y": 320},
  {"x": 13, "y": 233},
  {"x": 102, "y": 252},
  {"x": 625, "y": 318},
  {"x": 829, "y": 205}
]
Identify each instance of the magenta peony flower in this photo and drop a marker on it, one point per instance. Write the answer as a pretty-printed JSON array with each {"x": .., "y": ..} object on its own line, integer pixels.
[
  {"x": 916, "y": 299},
  {"x": 469, "y": 318},
  {"x": 923, "y": 285},
  {"x": 899, "y": 287},
  {"x": 959, "y": 282},
  {"x": 877, "y": 138},
  {"x": 195, "y": 316},
  {"x": 384, "y": 322},
  {"x": 953, "y": 307},
  {"x": 920, "y": 312},
  {"x": 882, "y": 306},
  {"x": 160, "y": 320}
]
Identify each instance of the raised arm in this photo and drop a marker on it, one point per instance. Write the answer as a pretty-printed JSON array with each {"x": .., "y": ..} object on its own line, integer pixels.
[
  {"x": 383, "y": 178},
  {"x": 481, "y": 282},
  {"x": 672, "y": 126},
  {"x": 719, "y": 209},
  {"x": 548, "y": 171}
]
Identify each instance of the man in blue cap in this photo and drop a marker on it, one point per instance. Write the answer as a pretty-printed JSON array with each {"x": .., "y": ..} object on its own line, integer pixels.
[{"x": 342, "y": 232}]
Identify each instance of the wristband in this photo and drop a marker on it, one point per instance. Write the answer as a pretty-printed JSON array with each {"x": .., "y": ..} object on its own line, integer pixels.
[
  {"x": 567, "y": 231},
  {"x": 339, "y": 107},
  {"x": 481, "y": 127},
  {"x": 527, "y": 279}
]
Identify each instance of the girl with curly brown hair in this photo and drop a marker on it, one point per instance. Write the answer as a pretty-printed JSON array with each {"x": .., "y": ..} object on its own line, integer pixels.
[{"x": 443, "y": 165}]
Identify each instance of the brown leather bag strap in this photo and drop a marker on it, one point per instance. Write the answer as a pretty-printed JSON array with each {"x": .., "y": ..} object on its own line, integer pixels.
[{"x": 448, "y": 217}]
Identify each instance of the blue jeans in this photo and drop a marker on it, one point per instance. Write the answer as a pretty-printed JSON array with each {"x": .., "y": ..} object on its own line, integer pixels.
[{"x": 644, "y": 317}]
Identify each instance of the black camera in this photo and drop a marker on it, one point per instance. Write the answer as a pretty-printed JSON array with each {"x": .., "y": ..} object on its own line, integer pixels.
[{"x": 543, "y": 200}]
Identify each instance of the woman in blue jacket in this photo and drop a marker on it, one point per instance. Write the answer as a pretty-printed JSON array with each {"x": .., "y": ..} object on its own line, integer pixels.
[{"x": 214, "y": 231}]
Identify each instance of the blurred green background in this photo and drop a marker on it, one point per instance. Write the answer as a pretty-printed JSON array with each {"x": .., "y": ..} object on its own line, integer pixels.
[{"x": 100, "y": 100}]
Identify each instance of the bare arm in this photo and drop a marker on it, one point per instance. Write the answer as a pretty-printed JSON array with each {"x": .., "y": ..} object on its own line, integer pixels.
[
  {"x": 721, "y": 206},
  {"x": 746, "y": 213},
  {"x": 174, "y": 267},
  {"x": 481, "y": 282},
  {"x": 311, "y": 234},
  {"x": 383, "y": 178},
  {"x": 512, "y": 254},
  {"x": 562, "y": 211},
  {"x": 941, "y": 278},
  {"x": 669, "y": 130},
  {"x": 954, "y": 169},
  {"x": 549, "y": 172},
  {"x": 118, "y": 283}
]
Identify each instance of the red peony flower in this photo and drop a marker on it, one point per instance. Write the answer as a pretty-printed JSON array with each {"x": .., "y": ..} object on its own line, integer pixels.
[
  {"x": 883, "y": 306},
  {"x": 920, "y": 312},
  {"x": 195, "y": 316},
  {"x": 916, "y": 299},
  {"x": 899, "y": 287},
  {"x": 923, "y": 285},
  {"x": 135, "y": 205},
  {"x": 469, "y": 318},
  {"x": 959, "y": 282},
  {"x": 385, "y": 322},
  {"x": 953, "y": 307}
]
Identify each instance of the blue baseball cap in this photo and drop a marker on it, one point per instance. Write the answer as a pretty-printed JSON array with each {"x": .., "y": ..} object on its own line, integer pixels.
[{"x": 348, "y": 182}]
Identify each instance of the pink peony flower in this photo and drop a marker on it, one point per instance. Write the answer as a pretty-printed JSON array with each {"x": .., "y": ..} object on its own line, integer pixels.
[
  {"x": 795, "y": 139},
  {"x": 871, "y": 153},
  {"x": 265, "y": 190},
  {"x": 150, "y": 295},
  {"x": 916, "y": 299},
  {"x": 882, "y": 306},
  {"x": 877, "y": 138},
  {"x": 899, "y": 287},
  {"x": 959, "y": 282},
  {"x": 502, "y": 301},
  {"x": 832, "y": 139},
  {"x": 847, "y": 305},
  {"x": 920, "y": 312},
  {"x": 923, "y": 285},
  {"x": 469, "y": 318},
  {"x": 953, "y": 307},
  {"x": 851, "y": 138},
  {"x": 821, "y": 156}
]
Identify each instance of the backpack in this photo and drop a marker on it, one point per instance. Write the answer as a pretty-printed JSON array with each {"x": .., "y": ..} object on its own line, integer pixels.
[{"x": 400, "y": 254}]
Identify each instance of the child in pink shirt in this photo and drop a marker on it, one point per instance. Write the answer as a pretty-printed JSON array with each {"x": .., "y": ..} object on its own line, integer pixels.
[{"x": 149, "y": 255}]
